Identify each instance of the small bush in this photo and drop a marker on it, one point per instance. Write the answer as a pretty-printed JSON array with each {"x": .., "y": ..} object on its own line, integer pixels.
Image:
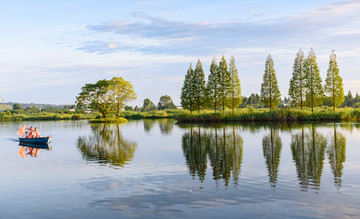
[{"x": 76, "y": 117}]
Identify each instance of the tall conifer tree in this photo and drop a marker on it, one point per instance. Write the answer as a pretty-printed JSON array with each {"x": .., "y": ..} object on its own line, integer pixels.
[
  {"x": 333, "y": 83},
  {"x": 198, "y": 87},
  {"x": 187, "y": 95},
  {"x": 225, "y": 83},
  {"x": 212, "y": 86},
  {"x": 235, "y": 88},
  {"x": 297, "y": 82},
  {"x": 270, "y": 93},
  {"x": 314, "y": 90}
]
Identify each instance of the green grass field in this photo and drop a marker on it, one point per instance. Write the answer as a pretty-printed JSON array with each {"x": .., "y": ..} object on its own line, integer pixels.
[{"x": 277, "y": 115}]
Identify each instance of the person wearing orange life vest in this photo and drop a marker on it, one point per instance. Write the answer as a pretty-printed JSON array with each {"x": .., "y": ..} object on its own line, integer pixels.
[
  {"x": 36, "y": 133},
  {"x": 31, "y": 133}
]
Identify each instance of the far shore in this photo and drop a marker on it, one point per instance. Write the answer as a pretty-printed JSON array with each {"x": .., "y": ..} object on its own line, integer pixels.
[{"x": 205, "y": 116}]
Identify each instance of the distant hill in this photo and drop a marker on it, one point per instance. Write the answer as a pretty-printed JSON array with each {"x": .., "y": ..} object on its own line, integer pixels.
[
  {"x": 8, "y": 105},
  {"x": 4, "y": 107}
]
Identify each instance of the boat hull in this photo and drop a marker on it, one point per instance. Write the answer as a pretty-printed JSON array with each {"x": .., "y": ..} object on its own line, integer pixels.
[{"x": 43, "y": 140}]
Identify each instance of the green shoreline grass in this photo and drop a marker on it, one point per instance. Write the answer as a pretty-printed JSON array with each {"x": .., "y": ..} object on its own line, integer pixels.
[
  {"x": 206, "y": 116},
  {"x": 161, "y": 114},
  {"x": 277, "y": 115},
  {"x": 45, "y": 117}
]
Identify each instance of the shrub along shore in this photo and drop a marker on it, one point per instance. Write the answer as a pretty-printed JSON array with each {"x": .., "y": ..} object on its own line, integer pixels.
[{"x": 276, "y": 115}]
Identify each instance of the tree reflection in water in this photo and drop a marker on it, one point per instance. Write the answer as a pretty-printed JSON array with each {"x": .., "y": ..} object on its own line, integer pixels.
[
  {"x": 336, "y": 154},
  {"x": 148, "y": 125},
  {"x": 165, "y": 125},
  {"x": 271, "y": 149},
  {"x": 308, "y": 150},
  {"x": 107, "y": 145},
  {"x": 222, "y": 147}
]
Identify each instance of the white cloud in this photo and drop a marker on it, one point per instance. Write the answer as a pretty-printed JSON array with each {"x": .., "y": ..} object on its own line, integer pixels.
[{"x": 112, "y": 45}]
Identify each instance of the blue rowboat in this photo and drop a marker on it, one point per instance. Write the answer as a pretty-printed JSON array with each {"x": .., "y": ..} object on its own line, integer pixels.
[{"x": 42, "y": 140}]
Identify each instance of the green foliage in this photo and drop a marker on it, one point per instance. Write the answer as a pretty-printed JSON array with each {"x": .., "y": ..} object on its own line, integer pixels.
[
  {"x": 96, "y": 96},
  {"x": 314, "y": 90},
  {"x": 168, "y": 113},
  {"x": 212, "y": 86},
  {"x": 17, "y": 106},
  {"x": 278, "y": 115},
  {"x": 333, "y": 83},
  {"x": 253, "y": 100},
  {"x": 148, "y": 105},
  {"x": 297, "y": 82},
  {"x": 187, "y": 95},
  {"x": 128, "y": 108},
  {"x": 166, "y": 103},
  {"x": 351, "y": 101},
  {"x": 106, "y": 96},
  {"x": 270, "y": 93},
  {"x": 198, "y": 87},
  {"x": 225, "y": 84},
  {"x": 122, "y": 92},
  {"x": 235, "y": 88},
  {"x": 43, "y": 116}
]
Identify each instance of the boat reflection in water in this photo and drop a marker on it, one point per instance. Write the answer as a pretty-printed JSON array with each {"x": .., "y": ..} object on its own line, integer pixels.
[
  {"x": 32, "y": 150},
  {"x": 223, "y": 146},
  {"x": 106, "y": 145}
]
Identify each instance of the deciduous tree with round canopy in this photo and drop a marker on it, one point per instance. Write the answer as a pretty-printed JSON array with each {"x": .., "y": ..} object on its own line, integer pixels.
[{"x": 106, "y": 96}]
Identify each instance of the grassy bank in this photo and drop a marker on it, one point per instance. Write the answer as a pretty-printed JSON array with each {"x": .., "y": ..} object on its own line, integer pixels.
[
  {"x": 183, "y": 116},
  {"x": 94, "y": 117},
  {"x": 44, "y": 117},
  {"x": 161, "y": 114},
  {"x": 277, "y": 115}
]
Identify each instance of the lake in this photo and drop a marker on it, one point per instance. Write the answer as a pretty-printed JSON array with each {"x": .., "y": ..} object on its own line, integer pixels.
[{"x": 158, "y": 169}]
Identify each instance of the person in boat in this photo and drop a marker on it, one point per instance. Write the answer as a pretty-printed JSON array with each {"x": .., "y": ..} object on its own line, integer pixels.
[
  {"x": 31, "y": 132},
  {"x": 36, "y": 133}
]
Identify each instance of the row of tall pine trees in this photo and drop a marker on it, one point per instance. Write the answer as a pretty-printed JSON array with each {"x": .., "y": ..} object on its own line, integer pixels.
[{"x": 223, "y": 89}]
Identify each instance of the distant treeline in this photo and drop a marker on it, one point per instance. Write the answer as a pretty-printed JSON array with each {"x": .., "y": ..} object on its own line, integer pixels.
[
  {"x": 222, "y": 89},
  {"x": 41, "y": 105},
  {"x": 164, "y": 103},
  {"x": 254, "y": 100},
  {"x": 17, "y": 112}
]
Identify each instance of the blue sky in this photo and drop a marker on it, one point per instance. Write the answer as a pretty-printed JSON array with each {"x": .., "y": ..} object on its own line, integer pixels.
[{"x": 50, "y": 49}]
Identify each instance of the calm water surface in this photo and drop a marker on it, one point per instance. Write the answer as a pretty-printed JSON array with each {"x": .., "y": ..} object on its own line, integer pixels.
[{"x": 155, "y": 169}]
